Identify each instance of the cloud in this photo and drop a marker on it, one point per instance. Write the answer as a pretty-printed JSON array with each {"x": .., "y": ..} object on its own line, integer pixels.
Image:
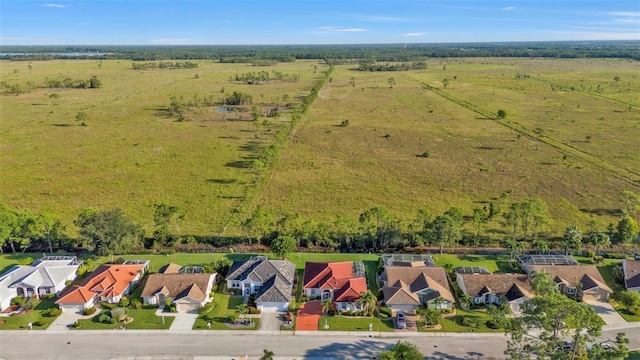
[
  {"x": 337, "y": 29},
  {"x": 178, "y": 41},
  {"x": 414, "y": 34},
  {"x": 509, "y": 8},
  {"x": 54, "y": 6}
]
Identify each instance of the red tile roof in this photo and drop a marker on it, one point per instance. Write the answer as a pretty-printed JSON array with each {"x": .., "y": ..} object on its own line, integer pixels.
[
  {"x": 107, "y": 281},
  {"x": 327, "y": 275},
  {"x": 350, "y": 291}
]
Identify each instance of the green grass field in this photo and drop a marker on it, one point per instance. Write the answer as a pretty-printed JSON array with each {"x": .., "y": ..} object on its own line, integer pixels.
[
  {"x": 21, "y": 322},
  {"x": 142, "y": 319},
  {"x": 225, "y": 305},
  {"x": 343, "y": 323},
  {"x": 567, "y": 139}
]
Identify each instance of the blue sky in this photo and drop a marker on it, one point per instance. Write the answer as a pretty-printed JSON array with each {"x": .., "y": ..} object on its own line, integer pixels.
[{"x": 244, "y": 22}]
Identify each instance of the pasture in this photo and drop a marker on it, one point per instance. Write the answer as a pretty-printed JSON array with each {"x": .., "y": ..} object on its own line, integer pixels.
[{"x": 568, "y": 138}]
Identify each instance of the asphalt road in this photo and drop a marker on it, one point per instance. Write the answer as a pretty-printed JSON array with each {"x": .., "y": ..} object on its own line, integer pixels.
[
  {"x": 140, "y": 344},
  {"x": 80, "y": 345}
]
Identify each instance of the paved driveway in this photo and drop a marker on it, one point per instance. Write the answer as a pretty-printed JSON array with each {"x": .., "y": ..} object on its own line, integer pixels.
[
  {"x": 271, "y": 321},
  {"x": 606, "y": 312},
  {"x": 183, "y": 321},
  {"x": 309, "y": 316},
  {"x": 66, "y": 319}
]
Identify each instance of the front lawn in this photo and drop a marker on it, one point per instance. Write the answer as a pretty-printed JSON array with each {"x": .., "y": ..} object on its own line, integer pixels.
[
  {"x": 142, "y": 319},
  {"x": 455, "y": 323},
  {"x": 225, "y": 305},
  {"x": 343, "y": 323},
  {"x": 622, "y": 310},
  {"x": 21, "y": 321}
]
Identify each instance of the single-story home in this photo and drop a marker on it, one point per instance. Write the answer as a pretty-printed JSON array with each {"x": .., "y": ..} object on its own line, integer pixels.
[
  {"x": 341, "y": 282},
  {"x": 270, "y": 280},
  {"x": 189, "y": 291},
  {"x": 631, "y": 269},
  {"x": 107, "y": 283},
  {"x": 48, "y": 275},
  {"x": 410, "y": 285},
  {"x": 581, "y": 281},
  {"x": 494, "y": 288}
]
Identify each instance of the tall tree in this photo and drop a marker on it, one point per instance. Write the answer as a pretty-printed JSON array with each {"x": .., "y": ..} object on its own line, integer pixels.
[
  {"x": 572, "y": 240},
  {"x": 446, "y": 231},
  {"x": 630, "y": 201},
  {"x": 259, "y": 225},
  {"x": 480, "y": 217},
  {"x": 108, "y": 232},
  {"x": 166, "y": 218},
  {"x": 599, "y": 240},
  {"x": 283, "y": 245},
  {"x": 8, "y": 222},
  {"x": 542, "y": 284},
  {"x": 368, "y": 301},
  {"x": 82, "y": 117},
  {"x": 378, "y": 225},
  {"x": 627, "y": 230},
  {"x": 49, "y": 225}
]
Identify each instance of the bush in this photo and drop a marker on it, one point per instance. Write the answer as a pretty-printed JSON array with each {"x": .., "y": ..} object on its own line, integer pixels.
[
  {"x": 113, "y": 321},
  {"x": 136, "y": 304},
  {"x": 124, "y": 302},
  {"x": 591, "y": 253},
  {"x": 470, "y": 322},
  {"x": 254, "y": 311},
  {"x": 214, "y": 288},
  {"x": 18, "y": 300},
  {"x": 42, "y": 322},
  {"x": 150, "y": 306},
  {"x": 76, "y": 324},
  {"x": 53, "y": 312},
  {"x": 26, "y": 261},
  {"x": 108, "y": 306},
  {"x": 609, "y": 255},
  {"x": 89, "y": 311},
  {"x": 104, "y": 318},
  {"x": 206, "y": 308},
  {"x": 492, "y": 324},
  {"x": 82, "y": 270},
  {"x": 385, "y": 311}
]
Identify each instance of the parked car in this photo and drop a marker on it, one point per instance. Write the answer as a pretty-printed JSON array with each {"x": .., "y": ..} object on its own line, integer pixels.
[{"x": 401, "y": 321}]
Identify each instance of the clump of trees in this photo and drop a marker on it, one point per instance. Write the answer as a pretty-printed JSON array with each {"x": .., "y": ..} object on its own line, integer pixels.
[
  {"x": 68, "y": 83},
  {"x": 372, "y": 65},
  {"x": 257, "y": 77},
  {"x": 164, "y": 65}
]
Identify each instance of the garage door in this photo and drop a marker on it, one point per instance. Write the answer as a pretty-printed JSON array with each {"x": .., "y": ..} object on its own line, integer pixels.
[
  {"x": 273, "y": 307},
  {"x": 71, "y": 308}
]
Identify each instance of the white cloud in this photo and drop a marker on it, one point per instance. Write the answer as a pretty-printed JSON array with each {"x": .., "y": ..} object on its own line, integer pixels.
[
  {"x": 625, "y": 13},
  {"x": 337, "y": 29},
  {"x": 509, "y": 8},
  {"x": 179, "y": 41},
  {"x": 414, "y": 34},
  {"x": 54, "y": 5}
]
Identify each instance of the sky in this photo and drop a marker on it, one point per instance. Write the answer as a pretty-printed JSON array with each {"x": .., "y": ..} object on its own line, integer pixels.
[{"x": 279, "y": 22}]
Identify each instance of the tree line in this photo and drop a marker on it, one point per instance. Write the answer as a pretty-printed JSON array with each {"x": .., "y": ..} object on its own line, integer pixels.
[
  {"x": 376, "y": 229},
  {"x": 290, "y": 53},
  {"x": 256, "y": 77},
  {"x": 60, "y": 83}
]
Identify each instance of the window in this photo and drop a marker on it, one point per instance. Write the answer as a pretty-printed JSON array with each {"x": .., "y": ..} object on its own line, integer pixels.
[{"x": 571, "y": 291}]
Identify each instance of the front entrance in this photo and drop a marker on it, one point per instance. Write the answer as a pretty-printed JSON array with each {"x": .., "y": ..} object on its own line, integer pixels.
[{"x": 326, "y": 294}]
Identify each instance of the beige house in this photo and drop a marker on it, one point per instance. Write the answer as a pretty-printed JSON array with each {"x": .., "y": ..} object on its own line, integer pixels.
[
  {"x": 412, "y": 284},
  {"x": 189, "y": 291},
  {"x": 495, "y": 288},
  {"x": 631, "y": 269},
  {"x": 581, "y": 281}
]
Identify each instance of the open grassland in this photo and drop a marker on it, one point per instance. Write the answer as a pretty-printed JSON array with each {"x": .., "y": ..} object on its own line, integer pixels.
[
  {"x": 132, "y": 154},
  {"x": 540, "y": 150}
]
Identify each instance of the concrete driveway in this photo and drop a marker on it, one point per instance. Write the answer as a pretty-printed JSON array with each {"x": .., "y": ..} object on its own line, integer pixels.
[
  {"x": 182, "y": 321},
  {"x": 606, "y": 312},
  {"x": 271, "y": 321}
]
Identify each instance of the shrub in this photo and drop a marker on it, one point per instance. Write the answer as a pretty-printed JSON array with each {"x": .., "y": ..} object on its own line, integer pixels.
[
  {"x": 344, "y": 123},
  {"x": 108, "y": 306},
  {"x": 385, "y": 311},
  {"x": 103, "y": 318},
  {"x": 136, "y": 303},
  {"x": 42, "y": 322},
  {"x": 150, "y": 306},
  {"x": 232, "y": 318},
  {"x": 113, "y": 321},
  {"x": 253, "y": 310},
  {"x": 82, "y": 270},
  {"x": 89, "y": 311},
  {"x": 492, "y": 324},
  {"x": 76, "y": 324},
  {"x": 26, "y": 261},
  {"x": 214, "y": 288},
  {"x": 18, "y": 300},
  {"x": 469, "y": 322},
  {"x": 205, "y": 308},
  {"x": 426, "y": 154},
  {"x": 591, "y": 254},
  {"x": 124, "y": 302},
  {"x": 53, "y": 312},
  {"x": 609, "y": 255},
  {"x": 68, "y": 282}
]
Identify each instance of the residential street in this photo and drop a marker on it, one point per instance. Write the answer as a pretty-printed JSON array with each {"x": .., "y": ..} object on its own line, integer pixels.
[{"x": 141, "y": 344}]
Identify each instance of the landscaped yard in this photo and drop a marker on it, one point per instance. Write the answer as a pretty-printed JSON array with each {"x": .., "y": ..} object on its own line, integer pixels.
[
  {"x": 225, "y": 305},
  {"x": 142, "y": 319},
  {"x": 17, "y": 322},
  {"x": 343, "y": 323},
  {"x": 493, "y": 263},
  {"x": 454, "y": 324},
  {"x": 623, "y": 312}
]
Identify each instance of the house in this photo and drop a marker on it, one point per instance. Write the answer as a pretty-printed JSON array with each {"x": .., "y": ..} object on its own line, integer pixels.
[
  {"x": 341, "y": 282},
  {"x": 487, "y": 289},
  {"x": 48, "y": 275},
  {"x": 581, "y": 281},
  {"x": 107, "y": 283},
  {"x": 410, "y": 285},
  {"x": 270, "y": 280},
  {"x": 631, "y": 269},
  {"x": 189, "y": 291}
]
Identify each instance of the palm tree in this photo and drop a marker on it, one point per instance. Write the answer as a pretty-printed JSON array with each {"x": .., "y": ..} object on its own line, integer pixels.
[
  {"x": 326, "y": 305},
  {"x": 439, "y": 301},
  {"x": 368, "y": 301},
  {"x": 465, "y": 299},
  {"x": 242, "y": 309},
  {"x": 268, "y": 355}
]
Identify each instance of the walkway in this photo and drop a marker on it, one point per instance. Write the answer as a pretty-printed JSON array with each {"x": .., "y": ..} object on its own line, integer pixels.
[
  {"x": 309, "y": 316},
  {"x": 66, "y": 319}
]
